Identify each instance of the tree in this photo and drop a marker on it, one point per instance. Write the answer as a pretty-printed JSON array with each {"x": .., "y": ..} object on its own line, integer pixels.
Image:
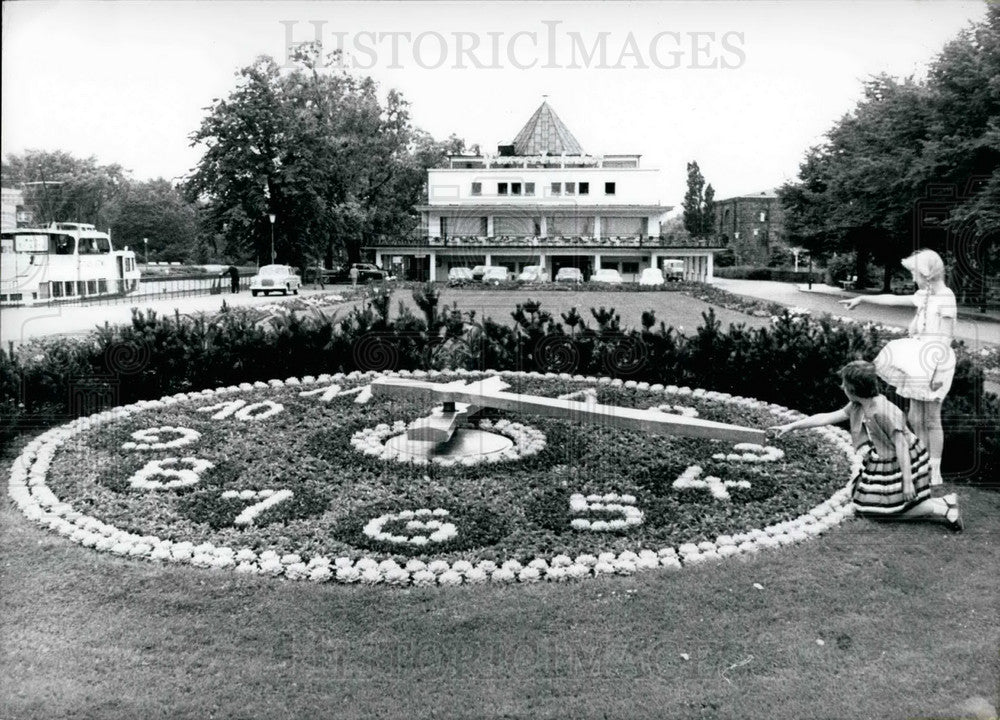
[
  {"x": 62, "y": 188},
  {"x": 155, "y": 210},
  {"x": 321, "y": 151},
  {"x": 699, "y": 204},
  {"x": 868, "y": 187}
]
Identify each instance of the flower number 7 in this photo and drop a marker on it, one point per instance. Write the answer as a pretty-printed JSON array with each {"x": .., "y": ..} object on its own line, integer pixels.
[{"x": 267, "y": 498}]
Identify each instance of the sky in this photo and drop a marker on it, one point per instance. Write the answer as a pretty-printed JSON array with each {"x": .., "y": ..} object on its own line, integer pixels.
[{"x": 743, "y": 88}]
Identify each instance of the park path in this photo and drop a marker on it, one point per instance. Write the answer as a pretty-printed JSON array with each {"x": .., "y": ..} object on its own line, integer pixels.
[{"x": 976, "y": 332}]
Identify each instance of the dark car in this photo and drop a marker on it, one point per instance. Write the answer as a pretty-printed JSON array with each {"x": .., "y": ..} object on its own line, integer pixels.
[{"x": 368, "y": 272}]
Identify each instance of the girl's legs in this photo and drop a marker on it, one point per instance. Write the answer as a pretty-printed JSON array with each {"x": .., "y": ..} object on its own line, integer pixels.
[{"x": 925, "y": 417}]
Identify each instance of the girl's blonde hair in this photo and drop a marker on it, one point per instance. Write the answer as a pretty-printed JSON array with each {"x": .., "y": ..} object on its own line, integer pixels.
[{"x": 926, "y": 263}]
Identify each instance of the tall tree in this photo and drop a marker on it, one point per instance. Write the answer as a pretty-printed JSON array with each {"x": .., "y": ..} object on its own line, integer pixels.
[
  {"x": 708, "y": 212},
  {"x": 62, "y": 188},
  {"x": 906, "y": 149},
  {"x": 694, "y": 201},
  {"x": 155, "y": 211},
  {"x": 319, "y": 150}
]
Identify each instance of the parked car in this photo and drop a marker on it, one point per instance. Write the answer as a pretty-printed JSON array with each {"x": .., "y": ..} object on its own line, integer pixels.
[
  {"x": 368, "y": 272},
  {"x": 275, "y": 278},
  {"x": 460, "y": 276},
  {"x": 496, "y": 274},
  {"x": 607, "y": 275},
  {"x": 673, "y": 270},
  {"x": 532, "y": 273},
  {"x": 569, "y": 275},
  {"x": 477, "y": 273},
  {"x": 651, "y": 276},
  {"x": 337, "y": 273}
]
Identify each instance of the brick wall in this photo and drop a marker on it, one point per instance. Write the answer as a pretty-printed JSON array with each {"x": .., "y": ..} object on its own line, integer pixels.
[{"x": 752, "y": 226}]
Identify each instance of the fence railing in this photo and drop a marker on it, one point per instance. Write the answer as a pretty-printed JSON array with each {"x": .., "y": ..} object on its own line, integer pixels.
[
  {"x": 533, "y": 241},
  {"x": 150, "y": 288}
]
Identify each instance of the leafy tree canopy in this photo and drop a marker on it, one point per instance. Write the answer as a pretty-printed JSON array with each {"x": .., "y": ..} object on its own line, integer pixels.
[
  {"x": 62, "y": 188},
  {"x": 915, "y": 164},
  {"x": 333, "y": 160}
]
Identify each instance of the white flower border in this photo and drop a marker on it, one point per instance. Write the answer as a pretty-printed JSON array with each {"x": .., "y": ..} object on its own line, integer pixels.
[{"x": 27, "y": 488}]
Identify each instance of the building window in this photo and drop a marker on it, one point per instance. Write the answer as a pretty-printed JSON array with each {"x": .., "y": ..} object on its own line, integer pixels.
[
  {"x": 515, "y": 188},
  {"x": 477, "y": 188},
  {"x": 557, "y": 188},
  {"x": 584, "y": 188},
  {"x": 571, "y": 188},
  {"x": 630, "y": 268},
  {"x": 609, "y": 188},
  {"x": 501, "y": 188},
  {"x": 763, "y": 215},
  {"x": 529, "y": 189}
]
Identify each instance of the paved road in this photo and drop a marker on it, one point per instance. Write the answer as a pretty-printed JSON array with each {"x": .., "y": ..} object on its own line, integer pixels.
[
  {"x": 20, "y": 324},
  {"x": 825, "y": 299}
]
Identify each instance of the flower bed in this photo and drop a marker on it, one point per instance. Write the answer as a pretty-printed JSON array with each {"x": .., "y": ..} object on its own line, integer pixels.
[{"x": 271, "y": 483}]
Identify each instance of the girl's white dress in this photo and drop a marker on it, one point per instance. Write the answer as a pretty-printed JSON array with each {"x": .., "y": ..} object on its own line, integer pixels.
[{"x": 922, "y": 366}]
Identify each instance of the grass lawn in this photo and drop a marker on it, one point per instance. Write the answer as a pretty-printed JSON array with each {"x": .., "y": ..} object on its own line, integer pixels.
[
  {"x": 907, "y": 616},
  {"x": 675, "y": 308}
]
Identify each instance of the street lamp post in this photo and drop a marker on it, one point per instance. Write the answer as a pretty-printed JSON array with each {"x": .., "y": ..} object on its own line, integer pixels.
[
  {"x": 271, "y": 217},
  {"x": 145, "y": 242}
]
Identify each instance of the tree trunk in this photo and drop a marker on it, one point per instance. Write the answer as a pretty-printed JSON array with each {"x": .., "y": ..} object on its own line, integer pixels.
[{"x": 887, "y": 278}]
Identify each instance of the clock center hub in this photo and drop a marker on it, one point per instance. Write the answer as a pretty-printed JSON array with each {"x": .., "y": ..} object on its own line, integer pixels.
[{"x": 464, "y": 443}]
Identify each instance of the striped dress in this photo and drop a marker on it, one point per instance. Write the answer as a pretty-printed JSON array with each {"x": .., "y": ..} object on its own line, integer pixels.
[{"x": 877, "y": 487}]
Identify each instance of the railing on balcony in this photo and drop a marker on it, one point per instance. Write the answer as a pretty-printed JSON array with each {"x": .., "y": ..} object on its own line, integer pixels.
[{"x": 533, "y": 241}]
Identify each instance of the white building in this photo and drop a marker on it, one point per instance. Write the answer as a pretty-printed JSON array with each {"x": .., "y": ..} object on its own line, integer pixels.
[
  {"x": 13, "y": 213},
  {"x": 542, "y": 201}
]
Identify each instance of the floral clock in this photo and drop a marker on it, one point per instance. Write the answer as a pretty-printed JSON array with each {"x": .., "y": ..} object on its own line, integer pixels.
[{"x": 307, "y": 479}]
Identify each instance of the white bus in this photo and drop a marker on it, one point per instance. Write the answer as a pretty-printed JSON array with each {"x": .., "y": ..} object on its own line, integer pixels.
[{"x": 64, "y": 261}]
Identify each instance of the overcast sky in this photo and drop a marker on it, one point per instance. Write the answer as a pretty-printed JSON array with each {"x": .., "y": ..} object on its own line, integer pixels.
[{"x": 744, "y": 88}]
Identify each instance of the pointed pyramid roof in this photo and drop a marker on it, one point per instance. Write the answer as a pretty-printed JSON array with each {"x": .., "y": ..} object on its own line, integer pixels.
[{"x": 545, "y": 132}]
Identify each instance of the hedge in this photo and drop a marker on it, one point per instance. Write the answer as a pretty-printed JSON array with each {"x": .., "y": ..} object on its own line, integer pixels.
[{"x": 791, "y": 362}]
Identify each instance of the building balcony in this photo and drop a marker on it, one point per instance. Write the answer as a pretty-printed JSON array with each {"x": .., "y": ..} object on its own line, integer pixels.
[{"x": 533, "y": 241}]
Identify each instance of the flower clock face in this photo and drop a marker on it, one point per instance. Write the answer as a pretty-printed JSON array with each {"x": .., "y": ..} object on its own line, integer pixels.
[{"x": 320, "y": 479}]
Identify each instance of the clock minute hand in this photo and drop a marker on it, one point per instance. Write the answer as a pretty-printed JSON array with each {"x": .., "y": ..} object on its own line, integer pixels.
[{"x": 646, "y": 421}]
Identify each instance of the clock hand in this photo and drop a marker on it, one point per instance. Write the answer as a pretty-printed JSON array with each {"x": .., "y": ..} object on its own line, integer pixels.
[{"x": 645, "y": 421}]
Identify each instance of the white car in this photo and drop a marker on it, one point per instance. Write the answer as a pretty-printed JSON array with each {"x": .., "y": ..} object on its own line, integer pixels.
[
  {"x": 607, "y": 275},
  {"x": 532, "y": 273},
  {"x": 275, "y": 278},
  {"x": 569, "y": 275},
  {"x": 495, "y": 274},
  {"x": 459, "y": 275},
  {"x": 651, "y": 276}
]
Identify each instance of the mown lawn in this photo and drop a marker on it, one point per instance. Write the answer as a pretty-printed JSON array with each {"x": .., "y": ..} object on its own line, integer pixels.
[
  {"x": 677, "y": 309},
  {"x": 907, "y": 616}
]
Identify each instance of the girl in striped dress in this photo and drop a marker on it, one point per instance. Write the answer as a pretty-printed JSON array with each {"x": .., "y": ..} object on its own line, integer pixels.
[{"x": 894, "y": 479}]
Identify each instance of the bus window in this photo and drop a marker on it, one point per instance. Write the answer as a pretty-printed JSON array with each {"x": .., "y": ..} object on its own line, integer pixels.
[
  {"x": 103, "y": 245},
  {"x": 63, "y": 244},
  {"x": 86, "y": 246}
]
